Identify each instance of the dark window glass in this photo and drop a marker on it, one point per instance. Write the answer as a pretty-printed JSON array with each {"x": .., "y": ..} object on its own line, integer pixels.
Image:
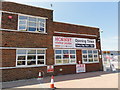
[
  {"x": 31, "y": 62},
  {"x": 66, "y": 61},
  {"x": 41, "y": 20},
  {"x": 58, "y": 51},
  {"x": 84, "y": 51},
  {"x": 72, "y": 51},
  {"x": 85, "y": 60},
  {"x": 31, "y": 57},
  {"x": 90, "y": 60},
  {"x": 20, "y": 62},
  {"x": 31, "y": 51},
  {"x": 40, "y": 51},
  {"x": 40, "y": 61},
  {"x": 21, "y": 51},
  {"x": 22, "y": 17},
  {"x": 95, "y": 51},
  {"x": 84, "y": 56},
  {"x": 32, "y": 29},
  {"x": 90, "y": 56},
  {"x": 32, "y": 24},
  {"x": 22, "y": 27},
  {"x": 41, "y": 24},
  {"x": 32, "y": 19},
  {"x": 95, "y": 56},
  {"x": 41, "y": 29},
  {"x": 89, "y": 51},
  {"x": 65, "y": 52},
  {"x": 58, "y": 56},
  {"x": 65, "y": 56},
  {"x": 40, "y": 57},
  {"x": 22, "y": 22},
  {"x": 58, "y": 61},
  {"x": 21, "y": 57},
  {"x": 72, "y": 56}
]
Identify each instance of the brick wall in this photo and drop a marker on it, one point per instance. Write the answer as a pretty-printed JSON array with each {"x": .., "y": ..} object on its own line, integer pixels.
[
  {"x": 38, "y": 40},
  {"x": 8, "y": 58},
  {"x": 9, "y": 23},
  {"x": 21, "y": 73},
  {"x": 26, "y": 9}
]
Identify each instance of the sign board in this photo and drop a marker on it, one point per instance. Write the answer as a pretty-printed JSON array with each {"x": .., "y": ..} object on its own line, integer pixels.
[
  {"x": 50, "y": 68},
  {"x": 80, "y": 68},
  {"x": 69, "y": 42},
  {"x": 113, "y": 67}
]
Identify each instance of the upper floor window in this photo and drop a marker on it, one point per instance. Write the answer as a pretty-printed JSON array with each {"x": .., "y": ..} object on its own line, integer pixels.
[{"x": 29, "y": 23}]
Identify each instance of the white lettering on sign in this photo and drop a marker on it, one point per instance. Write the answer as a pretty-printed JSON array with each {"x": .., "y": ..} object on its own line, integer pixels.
[{"x": 69, "y": 42}]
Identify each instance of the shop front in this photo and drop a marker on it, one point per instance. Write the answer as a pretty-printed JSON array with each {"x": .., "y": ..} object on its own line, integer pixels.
[{"x": 77, "y": 53}]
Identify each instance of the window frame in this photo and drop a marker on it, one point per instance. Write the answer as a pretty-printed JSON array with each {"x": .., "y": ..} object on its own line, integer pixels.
[
  {"x": 37, "y": 23},
  {"x": 62, "y": 57},
  {"x": 90, "y": 58},
  {"x": 26, "y": 60}
]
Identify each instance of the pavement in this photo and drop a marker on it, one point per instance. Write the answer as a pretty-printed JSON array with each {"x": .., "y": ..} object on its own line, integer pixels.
[{"x": 83, "y": 80}]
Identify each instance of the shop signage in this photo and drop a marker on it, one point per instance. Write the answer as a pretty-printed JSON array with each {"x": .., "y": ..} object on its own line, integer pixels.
[
  {"x": 80, "y": 68},
  {"x": 69, "y": 42},
  {"x": 50, "y": 68}
]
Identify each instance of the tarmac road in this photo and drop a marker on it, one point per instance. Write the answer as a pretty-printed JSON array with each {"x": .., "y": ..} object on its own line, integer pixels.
[{"x": 83, "y": 80}]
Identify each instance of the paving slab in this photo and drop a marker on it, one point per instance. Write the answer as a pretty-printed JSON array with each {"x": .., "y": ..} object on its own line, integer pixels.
[{"x": 82, "y": 80}]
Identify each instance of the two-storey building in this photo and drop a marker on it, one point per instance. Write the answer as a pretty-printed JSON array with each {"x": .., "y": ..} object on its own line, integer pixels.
[{"x": 31, "y": 41}]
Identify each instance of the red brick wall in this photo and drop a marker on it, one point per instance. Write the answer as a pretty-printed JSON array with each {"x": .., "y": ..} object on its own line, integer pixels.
[
  {"x": 79, "y": 29},
  {"x": 26, "y": 9},
  {"x": 92, "y": 67},
  {"x": 66, "y": 69},
  {"x": 37, "y": 40},
  {"x": 21, "y": 73},
  {"x": 8, "y": 58},
  {"x": 9, "y": 23}
]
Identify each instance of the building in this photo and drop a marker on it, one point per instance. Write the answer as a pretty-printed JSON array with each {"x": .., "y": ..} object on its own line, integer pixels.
[{"x": 31, "y": 41}]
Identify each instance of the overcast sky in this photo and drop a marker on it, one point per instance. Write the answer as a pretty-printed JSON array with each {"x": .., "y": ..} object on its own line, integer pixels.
[{"x": 97, "y": 14}]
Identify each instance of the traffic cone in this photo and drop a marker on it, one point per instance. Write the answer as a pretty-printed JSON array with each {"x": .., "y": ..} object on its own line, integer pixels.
[
  {"x": 40, "y": 76},
  {"x": 52, "y": 82}
]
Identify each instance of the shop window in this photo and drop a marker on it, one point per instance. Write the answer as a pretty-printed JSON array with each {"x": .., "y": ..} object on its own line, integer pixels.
[
  {"x": 33, "y": 24},
  {"x": 30, "y": 57},
  {"x": 65, "y": 56},
  {"x": 90, "y": 56}
]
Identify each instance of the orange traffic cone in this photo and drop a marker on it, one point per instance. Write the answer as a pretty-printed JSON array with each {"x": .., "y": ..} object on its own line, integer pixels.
[{"x": 52, "y": 82}]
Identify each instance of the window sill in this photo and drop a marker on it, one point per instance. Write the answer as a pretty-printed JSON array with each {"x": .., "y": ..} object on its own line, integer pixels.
[
  {"x": 21, "y": 67},
  {"x": 21, "y": 31},
  {"x": 30, "y": 66},
  {"x": 66, "y": 64},
  {"x": 89, "y": 62}
]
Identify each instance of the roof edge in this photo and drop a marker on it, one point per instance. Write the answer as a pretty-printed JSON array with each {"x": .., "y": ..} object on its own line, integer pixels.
[
  {"x": 27, "y": 5},
  {"x": 75, "y": 24}
]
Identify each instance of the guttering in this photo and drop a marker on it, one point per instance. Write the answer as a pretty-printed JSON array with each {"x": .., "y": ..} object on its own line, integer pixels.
[{"x": 75, "y": 34}]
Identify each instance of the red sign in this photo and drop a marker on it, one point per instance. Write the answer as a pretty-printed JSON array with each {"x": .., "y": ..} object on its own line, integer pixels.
[{"x": 50, "y": 68}]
